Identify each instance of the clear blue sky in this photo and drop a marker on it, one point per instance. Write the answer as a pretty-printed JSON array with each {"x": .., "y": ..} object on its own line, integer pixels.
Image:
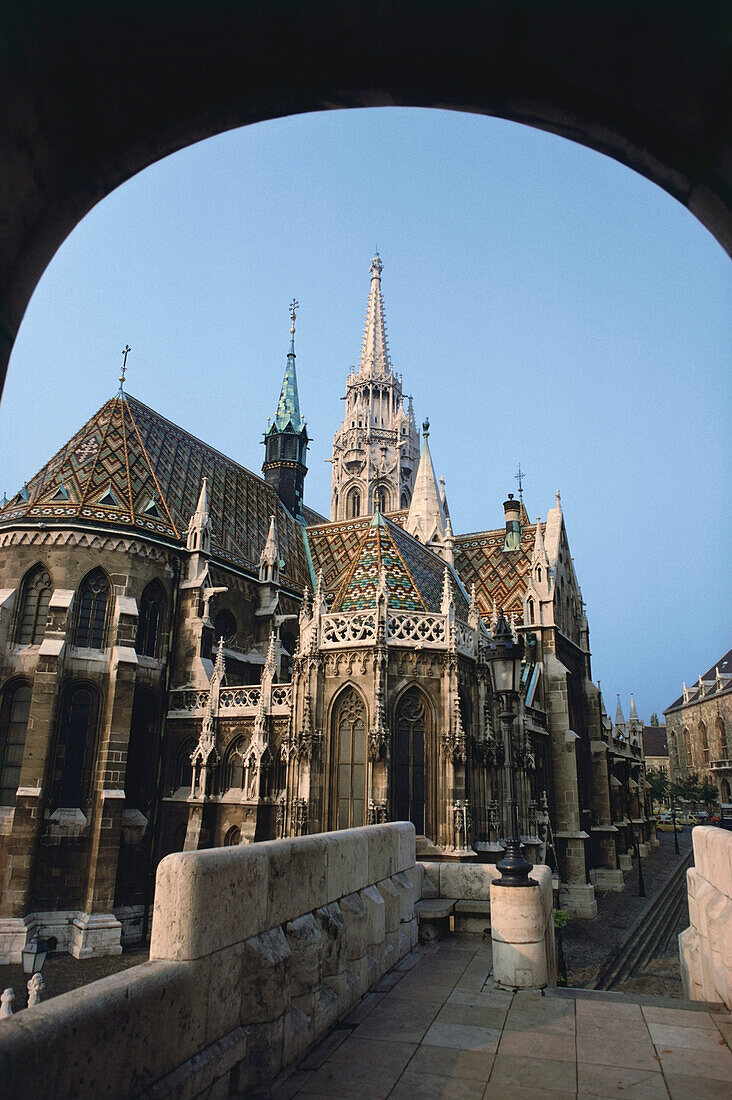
[{"x": 544, "y": 304}]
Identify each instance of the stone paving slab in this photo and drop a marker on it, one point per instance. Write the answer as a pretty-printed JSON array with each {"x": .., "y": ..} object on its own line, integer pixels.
[{"x": 441, "y": 1029}]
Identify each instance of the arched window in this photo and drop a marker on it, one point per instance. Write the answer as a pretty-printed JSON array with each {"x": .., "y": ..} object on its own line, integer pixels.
[
  {"x": 538, "y": 573},
  {"x": 234, "y": 766},
  {"x": 225, "y": 627},
  {"x": 353, "y": 504},
  {"x": 142, "y": 751},
  {"x": 35, "y": 594},
  {"x": 404, "y": 502},
  {"x": 350, "y": 736},
  {"x": 530, "y": 608},
  {"x": 13, "y": 725},
  {"x": 91, "y": 614},
  {"x": 151, "y": 621},
  {"x": 76, "y": 743},
  {"x": 183, "y": 768},
  {"x": 233, "y": 836},
  {"x": 380, "y": 498}
]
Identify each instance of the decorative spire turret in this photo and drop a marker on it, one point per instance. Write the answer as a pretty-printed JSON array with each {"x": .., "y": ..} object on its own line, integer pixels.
[
  {"x": 198, "y": 537},
  {"x": 286, "y": 439},
  {"x": 426, "y": 520},
  {"x": 269, "y": 560}
]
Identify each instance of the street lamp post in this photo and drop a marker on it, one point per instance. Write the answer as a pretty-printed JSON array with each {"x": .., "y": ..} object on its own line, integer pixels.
[
  {"x": 505, "y": 659},
  {"x": 641, "y": 883},
  {"x": 673, "y": 821}
]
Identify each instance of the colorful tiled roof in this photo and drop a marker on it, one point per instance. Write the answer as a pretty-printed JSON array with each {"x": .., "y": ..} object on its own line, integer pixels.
[
  {"x": 414, "y": 574},
  {"x": 130, "y": 467},
  {"x": 498, "y": 575},
  {"x": 332, "y": 546}
]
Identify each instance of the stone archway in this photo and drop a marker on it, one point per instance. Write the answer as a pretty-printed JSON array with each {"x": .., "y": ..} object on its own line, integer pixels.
[{"x": 93, "y": 96}]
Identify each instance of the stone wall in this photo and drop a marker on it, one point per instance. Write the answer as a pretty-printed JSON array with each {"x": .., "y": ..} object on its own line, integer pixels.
[
  {"x": 704, "y": 947},
  {"x": 256, "y": 951}
]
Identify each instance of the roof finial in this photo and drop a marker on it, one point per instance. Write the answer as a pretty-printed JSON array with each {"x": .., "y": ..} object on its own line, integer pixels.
[
  {"x": 294, "y": 306},
  {"x": 426, "y": 429},
  {"x": 125, "y": 352},
  {"x": 519, "y": 476}
]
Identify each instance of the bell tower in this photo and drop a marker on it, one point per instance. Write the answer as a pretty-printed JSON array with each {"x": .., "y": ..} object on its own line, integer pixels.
[
  {"x": 286, "y": 439},
  {"x": 376, "y": 449}
]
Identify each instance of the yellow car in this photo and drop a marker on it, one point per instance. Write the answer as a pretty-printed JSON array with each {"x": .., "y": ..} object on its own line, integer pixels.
[{"x": 665, "y": 823}]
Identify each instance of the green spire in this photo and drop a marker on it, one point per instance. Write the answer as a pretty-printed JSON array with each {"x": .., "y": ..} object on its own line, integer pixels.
[{"x": 288, "y": 409}]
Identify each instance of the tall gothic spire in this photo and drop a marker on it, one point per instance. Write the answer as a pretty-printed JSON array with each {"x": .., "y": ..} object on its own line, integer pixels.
[{"x": 375, "y": 347}]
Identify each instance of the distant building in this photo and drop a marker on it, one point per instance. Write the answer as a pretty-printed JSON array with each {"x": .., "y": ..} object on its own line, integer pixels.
[
  {"x": 699, "y": 727},
  {"x": 655, "y": 748}
]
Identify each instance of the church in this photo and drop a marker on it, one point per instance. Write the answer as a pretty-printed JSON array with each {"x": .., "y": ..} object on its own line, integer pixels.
[{"x": 190, "y": 656}]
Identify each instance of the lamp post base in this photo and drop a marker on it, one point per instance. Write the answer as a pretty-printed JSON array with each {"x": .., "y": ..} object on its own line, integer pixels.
[{"x": 514, "y": 867}]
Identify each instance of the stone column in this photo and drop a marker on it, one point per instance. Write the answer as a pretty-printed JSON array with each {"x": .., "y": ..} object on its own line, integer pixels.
[
  {"x": 522, "y": 931},
  {"x": 577, "y": 895},
  {"x": 32, "y": 793},
  {"x": 96, "y": 930}
]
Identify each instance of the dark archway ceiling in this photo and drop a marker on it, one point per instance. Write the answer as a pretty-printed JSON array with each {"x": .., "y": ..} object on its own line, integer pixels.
[{"x": 92, "y": 92}]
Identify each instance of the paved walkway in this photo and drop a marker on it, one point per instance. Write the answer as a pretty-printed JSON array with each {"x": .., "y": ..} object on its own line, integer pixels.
[{"x": 437, "y": 1028}]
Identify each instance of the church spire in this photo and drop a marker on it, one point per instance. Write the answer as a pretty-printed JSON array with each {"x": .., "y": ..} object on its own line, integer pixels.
[
  {"x": 375, "y": 347},
  {"x": 286, "y": 439},
  {"x": 288, "y": 409}
]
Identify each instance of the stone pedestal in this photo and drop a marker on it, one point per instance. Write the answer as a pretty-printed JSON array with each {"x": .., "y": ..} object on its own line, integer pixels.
[
  {"x": 94, "y": 935},
  {"x": 607, "y": 881},
  {"x": 578, "y": 900},
  {"x": 13, "y": 937},
  {"x": 523, "y": 936},
  {"x": 625, "y": 862}
]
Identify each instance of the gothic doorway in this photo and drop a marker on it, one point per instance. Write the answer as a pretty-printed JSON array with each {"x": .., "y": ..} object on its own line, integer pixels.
[
  {"x": 349, "y": 751},
  {"x": 409, "y": 781}
]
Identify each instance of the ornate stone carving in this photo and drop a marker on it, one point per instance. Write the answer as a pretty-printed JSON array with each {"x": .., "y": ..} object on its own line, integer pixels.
[
  {"x": 461, "y": 823},
  {"x": 377, "y": 813}
]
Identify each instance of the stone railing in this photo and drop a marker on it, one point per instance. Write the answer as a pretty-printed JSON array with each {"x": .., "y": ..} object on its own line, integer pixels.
[
  {"x": 704, "y": 947},
  {"x": 408, "y": 627},
  {"x": 235, "y": 701},
  {"x": 722, "y": 765},
  {"x": 256, "y": 951},
  {"x": 350, "y": 628}
]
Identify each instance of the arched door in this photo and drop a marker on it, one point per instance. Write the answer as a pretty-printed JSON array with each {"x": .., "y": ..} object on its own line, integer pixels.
[{"x": 409, "y": 762}]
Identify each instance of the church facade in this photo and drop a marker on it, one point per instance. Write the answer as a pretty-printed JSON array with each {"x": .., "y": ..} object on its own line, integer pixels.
[{"x": 191, "y": 657}]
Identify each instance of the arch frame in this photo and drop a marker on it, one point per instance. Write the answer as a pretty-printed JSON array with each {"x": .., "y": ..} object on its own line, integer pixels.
[
  {"x": 330, "y": 808},
  {"x": 431, "y": 755},
  {"x": 644, "y": 83}
]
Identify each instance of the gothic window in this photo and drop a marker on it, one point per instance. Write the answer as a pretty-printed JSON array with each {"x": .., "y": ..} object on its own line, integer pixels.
[
  {"x": 380, "y": 498},
  {"x": 404, "y": 502},
  {"x": 142, "y": 752},
  {"x": 353, "y": 504},
  {"x": 183, "y": 766},
  {"x": 234, "y": 767},
  {"x": 35, "y": 594},
  {"x": 409, "y": 776},
  {"x": 538, "y": 574},
  {"x": 76, "y": 743},
  {"x": 91, "y": 613},
  {"x": 13, "y": 724},
  {"x": 531, "y": 612},
  {"x": 703, "y": 744},
  {"x": 225, "y": 627},
  {"x": 350, "y": 738},
  {"x": 723, "y": 747},
  {"x": 233, "y": 836},
  {"x": 151, "y": 620}
]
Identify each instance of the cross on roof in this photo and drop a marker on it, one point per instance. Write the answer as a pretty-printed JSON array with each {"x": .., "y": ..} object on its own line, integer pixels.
[{"x": 519, "y": 476}]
